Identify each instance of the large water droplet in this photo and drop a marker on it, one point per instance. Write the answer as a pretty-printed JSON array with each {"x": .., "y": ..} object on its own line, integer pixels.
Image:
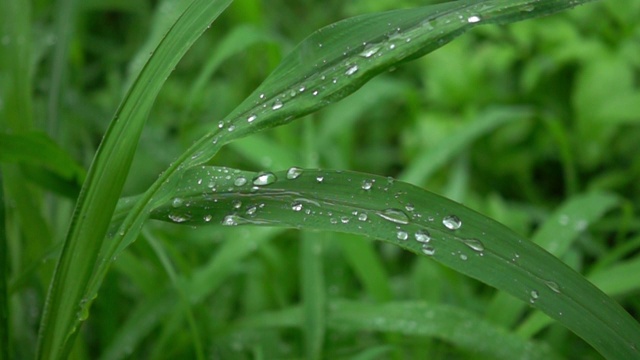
[
  {"x": 370, "y": 50},
  {"x": 428, "y": 250},
  {"x": 277, "y": 105},
  {"x": 241, "y": 180},
  {"x": 394, "y": 215},
  {"x": 422, "y": 236},
  {"x": 352, "y": 70},
  {"x": 474, "y": 244},
  {"x": 294, "y": 173},
  {"x": 264, "y": 179},
  {"x": 452, "y": 222},
  {"x": 362, "y": 217}
]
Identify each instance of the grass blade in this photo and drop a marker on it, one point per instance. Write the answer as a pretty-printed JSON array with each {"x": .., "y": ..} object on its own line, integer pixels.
[
  {"x": 415, "y": 220},
  {"x": 4, "y": 277},
  {"x": 66, "y": 305}
]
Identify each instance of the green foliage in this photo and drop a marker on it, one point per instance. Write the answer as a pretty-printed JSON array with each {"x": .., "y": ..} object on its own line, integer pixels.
[{"x": 533, "y": 124}]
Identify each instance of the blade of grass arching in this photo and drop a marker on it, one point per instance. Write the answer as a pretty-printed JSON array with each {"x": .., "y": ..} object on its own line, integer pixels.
[
  {"x": 5, "y": 345},
  {"x": 420, "y": 169},
  {"x": 204, "y": 282},
  {"x": 418, "y": 221},
  {"x": 618, "y": 280},
  {"x": 555, "y": 236},
  {"x": 66, "y": 306},
  {"x": 314, "y": 75},
  {"x": 452, "y": 324}
]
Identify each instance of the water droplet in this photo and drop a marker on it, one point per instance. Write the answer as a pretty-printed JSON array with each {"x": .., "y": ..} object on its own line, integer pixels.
[
  {"x": 302, "y": 88},
  {"x": 409, "y": 207},
  {"x": 534, "y": 296},
  {"x": 264, "y": 179},
  {"x": 394, "y": 215},
  {"x": 251, "y": 118},
  {"x": 362, "y": 217},
  {"x": 241, "y": 180},
  {"x": 473, "y": 19},
  {"x": 319, "y": 179},
  {"x": 367, "y": 184},
  {"x": 220, "y": 124},
  {"x": 528, "y": 8},
  {"x": 422, "y": 236},
  {"x": 177, "y": 202},
  {"x": 230, "y": 220},
  {"x": 553, "y": 286},
  {"x": 237, "y": 204},
  {"x": 452, "y": 222},
  {"x": 463, "y": 257},
  {"x": 296, "y": 206},
  {"x": 344, "y": 219},
  {"x": 261, "y": 96},
  {"x": 252, "y": 210},
  {"x": 352, "y": 70},
  {"x": 428, "y": 250},
  {"x": 474, "y": 244},
  {"x": 277, "y": 105},
  {"x": 231, "y": 128},
  {"x": 370, "y": 50},
  {"x": 207, "y": 218},
  {"x": 178, "y": 218},
  {"x": 402, "y": 235},
  {"x": 315, "y": 93},
  {"x": 294, "y": 173}
]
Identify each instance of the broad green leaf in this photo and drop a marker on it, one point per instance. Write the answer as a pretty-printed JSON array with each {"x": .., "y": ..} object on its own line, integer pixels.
[
  {"x": 416, "y": 220},
  {"x": 66, "y": 305}
]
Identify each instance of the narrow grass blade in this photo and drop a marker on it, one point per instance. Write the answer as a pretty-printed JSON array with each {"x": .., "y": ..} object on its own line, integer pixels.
[
  {"x": 415, "y": 220},
  {"x": 4, "y": 281},
  {"x": 65, "y": 307},
  {"x": 313, "y": 293}
]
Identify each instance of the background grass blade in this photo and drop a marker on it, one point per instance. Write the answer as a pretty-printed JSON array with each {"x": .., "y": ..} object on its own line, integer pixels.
[
  {"x": 403, "y": 214},
  {"x": 66, "y": 307},
  {"x": 4, "y": 288}
]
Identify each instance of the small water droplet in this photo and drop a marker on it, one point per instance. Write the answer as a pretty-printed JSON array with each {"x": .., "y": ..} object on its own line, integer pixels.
[
  {"x": 264, "y": 179},
  {"x": 252, "y": 210},
  {"x": 261, "y": 96},
  {"x": 452, "y": 222},
  {"x": 296, "y": 206},
  {"x": 463, "y": 257},
  {"x": 237, "y": 204},
  {"x": 362, "y": 217},
  {"x": 473, "y": 19},
  {"x": 352, "y": 70},
  {"x": 177, "y": 202},
  {"x": 344, "y": 219},
  {"x": 409, "y": 207},
  {"x": 302, "y": 88},
  {"x": 294, "y": 173},
  {"x": 231, "y": 128},
  {"x": 428, "y": 250},
  {"x": 277, "y": 105},
  {"x": 422, "y": 236},
  {"x": 315, "y": 92},
  {"x": 230, "y": 220},
  {"x": 394, "y": 215},
  {"x": 241, "y": 180},
  {"x": 319, "y": 179},
  {"x": 207, "y": 218},
  {"x": 367, "y": 184},
  {"x": 474, "y": 244},
  {"x": 251, "y": 118},
  {"x": 402, "y": 235},
  {"x": 534, "y": 296}
]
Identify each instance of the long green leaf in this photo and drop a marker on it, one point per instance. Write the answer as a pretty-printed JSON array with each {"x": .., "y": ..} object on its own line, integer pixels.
[
  {"x": 415, "y": 220},
  {"x": 66, "y": 305}
]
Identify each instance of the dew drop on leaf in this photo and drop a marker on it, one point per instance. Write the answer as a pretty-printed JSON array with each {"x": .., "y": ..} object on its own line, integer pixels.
[
  {"x": 402, "y": 235},
  {"x": 351, "y": 70},
  {"x": 241, "y": 180},
  {"x": 277, "y": 105},
  {"x": 265, "y": 179},
  {"x": 296, "y": 206},
  {"x": 362, "y": 217},
  {"x": 367, "y": 184},
  {"x": 474, "y": 244},
  {"x": 394, "y": 215},
  {"x": 294, "y": 173},
  {"x": 177, "y": 202},
  {"x": 428, "y": 250},
  {"x": 473, "y": 19},
  {"x": 553, "y": 286},
  {"x": 422, "y": 236},
  {"x": 452, "y": 222},
  {"x": 252, "y": 118}
]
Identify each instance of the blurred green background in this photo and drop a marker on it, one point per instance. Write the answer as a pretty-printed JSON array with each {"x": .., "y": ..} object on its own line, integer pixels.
[{"x": 511, "y": 120}]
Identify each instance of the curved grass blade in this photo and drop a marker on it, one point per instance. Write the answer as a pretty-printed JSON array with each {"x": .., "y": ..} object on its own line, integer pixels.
[
  {"x": 66, "y": 307},
  {"x": 457, "y": 326},
  {"x": 416, "y": 220}
]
